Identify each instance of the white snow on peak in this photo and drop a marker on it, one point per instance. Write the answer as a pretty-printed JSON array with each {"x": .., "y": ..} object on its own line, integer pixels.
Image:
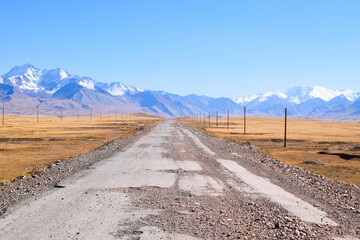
[
  {"x": 19, "y": 70},
  {"x": 350, "y": 95},
  {"x": 119, "y": 89},
  {"x": 87, "y": 84},
  {"x": 32, "y": 74},
  {"x": 63, "y": 74},
  {"x": 266, "y": 95},
  {"x": 301, "y": 94},
  {"x": 134, "y": 89},
  {"x": 323, "y": 93},
  {"x": 1, "y": 80},
  {"x": 246, "y": 99},
  {"x": 294, "y": 100},
  {"x": 25, "y": 77},
  {"x": 298, "y": 94},
  {"x": 261, "y": 97}
]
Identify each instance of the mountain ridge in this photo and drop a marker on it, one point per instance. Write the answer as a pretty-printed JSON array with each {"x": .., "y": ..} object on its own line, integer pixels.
[
  {"x": 301, "y": 94},
  {"x": 56, "y": 87}
]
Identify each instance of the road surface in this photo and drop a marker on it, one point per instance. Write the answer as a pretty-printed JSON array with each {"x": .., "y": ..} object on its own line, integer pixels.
[{"x": 170, "y": 184}]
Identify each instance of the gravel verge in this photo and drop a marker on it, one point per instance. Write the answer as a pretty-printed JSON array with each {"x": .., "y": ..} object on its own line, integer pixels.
[
  {"x": 340, "y": 201},
  {"x": 26, "y": 186}
]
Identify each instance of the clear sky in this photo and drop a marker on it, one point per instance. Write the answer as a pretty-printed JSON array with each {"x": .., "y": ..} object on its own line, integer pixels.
[{"x": 215, "y": 48}]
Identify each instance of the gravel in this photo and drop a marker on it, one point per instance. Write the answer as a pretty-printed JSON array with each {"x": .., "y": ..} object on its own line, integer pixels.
[
  {"x": 24, "y": 187},
  {"x": 232, "y": 213},
  {"x": 341, "y": 201},
  {"x": 236, "y": 214}
]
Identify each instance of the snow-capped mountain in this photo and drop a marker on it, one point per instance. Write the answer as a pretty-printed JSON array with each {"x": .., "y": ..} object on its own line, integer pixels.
[
  {"x": 118, "y": 89},
  {"x": 302, "y": 94},
  {"x": 301, "y": 101},
  {"x": 30, "y": 78},
  {"x": 57, "y": 87},
  {"x": 246, "y": 99},
  {"x": 299, "y": 95},
  {"x": 25, "y": 87}
]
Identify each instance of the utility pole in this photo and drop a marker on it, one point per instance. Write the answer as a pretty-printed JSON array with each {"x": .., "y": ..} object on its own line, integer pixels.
[
  {"x": 37, "y": 113},
  {"x": 285, "y": 127},
  {"x": 244, "y": 120},
  {"x": 209, "y": 119},
  {"x": 3, "y": 115},
  {"x": 77, "y": 114},
  {"x": 217, "y": 118},
  {"x": 90, "y": 113},
  {"x": 228, "y": 119}
]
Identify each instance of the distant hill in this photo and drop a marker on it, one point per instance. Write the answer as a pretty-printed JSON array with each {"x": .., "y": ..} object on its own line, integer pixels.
[{"x": 25, "y": 87}]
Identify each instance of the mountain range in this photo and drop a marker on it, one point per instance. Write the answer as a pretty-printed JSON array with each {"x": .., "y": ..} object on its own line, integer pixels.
[{"x": 25, "y": 87}]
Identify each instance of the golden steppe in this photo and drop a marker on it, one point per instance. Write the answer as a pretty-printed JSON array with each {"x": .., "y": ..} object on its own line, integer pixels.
[
  {"x": 27, "y": 146},
  {"x": 330, "y": 148}
]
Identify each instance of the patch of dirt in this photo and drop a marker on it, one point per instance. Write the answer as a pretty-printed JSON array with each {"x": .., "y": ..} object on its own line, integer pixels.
[
  {"x": 21, "y": 139},
  {"x": 47, "y": 178},
  {"x": 340, "y": 201},
  {"x": 355, "y": 148},
  {"x": 217, "y": 217},
  {"x": 342, "y": 155},
  {"x": 313, "y": 163}
]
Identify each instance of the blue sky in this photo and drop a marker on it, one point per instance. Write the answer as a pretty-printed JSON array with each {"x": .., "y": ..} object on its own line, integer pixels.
[{"x": 214, "y": 48}]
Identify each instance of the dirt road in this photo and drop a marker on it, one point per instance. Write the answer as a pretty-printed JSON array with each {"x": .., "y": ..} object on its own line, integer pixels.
[{"x": 176, "y": 183}]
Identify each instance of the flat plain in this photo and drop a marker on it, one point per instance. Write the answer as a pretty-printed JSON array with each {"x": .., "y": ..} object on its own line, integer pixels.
[
  {"x": 328, "y": 148},
  {"x": 27, "y": 146}
]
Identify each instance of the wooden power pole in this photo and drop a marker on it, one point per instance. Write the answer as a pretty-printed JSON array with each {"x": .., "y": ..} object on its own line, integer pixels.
[
  {"x": 228, "y": 121},
  {"x": 244, "y": 120},
  {"x": 285, "y": 128}
]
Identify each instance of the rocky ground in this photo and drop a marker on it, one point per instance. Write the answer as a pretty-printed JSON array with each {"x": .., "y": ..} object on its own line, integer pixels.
[
  {"x": 170, "y": 185},
  {"x": 238, "y": 215},
  {"x": 30, "y": 185}
]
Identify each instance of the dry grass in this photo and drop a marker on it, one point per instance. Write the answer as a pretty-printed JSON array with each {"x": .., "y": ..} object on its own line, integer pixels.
[
  {"x": 27, "y": 146},
  {"x": 336, "y": 145}
]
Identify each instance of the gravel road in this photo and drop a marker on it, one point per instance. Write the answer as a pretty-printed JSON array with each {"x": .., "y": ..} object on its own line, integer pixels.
[{"x": 175, "y": 182}]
